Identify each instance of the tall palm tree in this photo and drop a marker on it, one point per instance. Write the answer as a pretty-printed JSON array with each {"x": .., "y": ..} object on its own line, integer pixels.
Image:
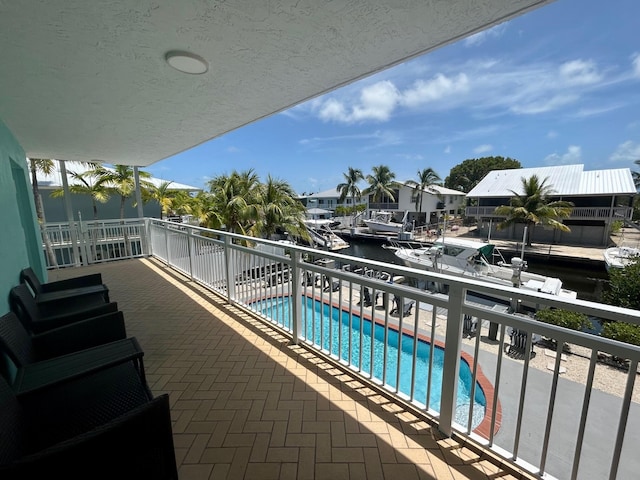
[
  {"x": 636, "y": 175},
  {"x": 381, "y": 184},
  {"x": 235, "y": 200},
  {"x": 45, "y": 166},
  {"x": 90, "y": 185},
  {"x": 349, "y": 188},
  {"x": 278, "y": 208},
  {"x": 534, "y": 207},
  {"x": 121, "y": 181},
  {"x": 426, "y": 178},
  {"x": 163, "y": 195}
]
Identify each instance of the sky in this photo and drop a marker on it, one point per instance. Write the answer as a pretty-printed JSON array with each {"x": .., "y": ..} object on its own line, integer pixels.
[{"x": 557, "y": 86}]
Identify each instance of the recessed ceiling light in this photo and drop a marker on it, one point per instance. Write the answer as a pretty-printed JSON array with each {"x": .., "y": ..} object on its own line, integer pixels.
[{"x": 186, "y": 62}]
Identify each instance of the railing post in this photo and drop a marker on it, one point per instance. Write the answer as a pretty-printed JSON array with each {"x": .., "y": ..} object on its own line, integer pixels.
[
  {"x": 229, "y": 269},
  {"x": 190, "y": 250},
  {"x": 166, "y": 242},
  {"x": 296, "y": 296},
  {"x": 451, "y": 365},
  {"x": 148, "y": 244}
]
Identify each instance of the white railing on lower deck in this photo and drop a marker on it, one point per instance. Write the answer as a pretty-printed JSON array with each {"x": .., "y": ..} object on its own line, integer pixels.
[
  {"x": 552, "y": 426},
  {"x": 87, "y": 242}
]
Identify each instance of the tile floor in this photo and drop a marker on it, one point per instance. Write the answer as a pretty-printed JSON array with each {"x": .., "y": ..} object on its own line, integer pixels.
[{"x": 249, "y": 404}]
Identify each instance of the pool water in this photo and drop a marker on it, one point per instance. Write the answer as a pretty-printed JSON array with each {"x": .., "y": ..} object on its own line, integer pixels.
[{"x": 323, "y": 325}]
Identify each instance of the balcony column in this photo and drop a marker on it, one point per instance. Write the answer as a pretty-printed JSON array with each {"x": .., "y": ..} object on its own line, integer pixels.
[
  {"x": 143, "y": 237},
  {"x": 69, "y": 210},
  {"x": 136, "y": 176}
]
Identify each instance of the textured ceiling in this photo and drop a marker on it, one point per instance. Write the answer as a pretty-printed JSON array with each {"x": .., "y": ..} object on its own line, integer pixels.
[{"x": 83, "y": 80}]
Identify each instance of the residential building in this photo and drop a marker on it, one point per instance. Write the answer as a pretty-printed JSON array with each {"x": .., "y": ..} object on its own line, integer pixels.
[
  {"x": 599, "y": 198},
  {"x": 82, "y": 205}
]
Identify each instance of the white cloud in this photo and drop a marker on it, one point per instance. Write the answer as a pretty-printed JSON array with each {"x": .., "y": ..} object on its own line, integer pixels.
[
  {"x": 572, "y": 156},
  {"x": 233, "y": 149},
  {"x": 480, "y": 37},
  {"x": 483, "y": 149},
  {"x": 376, "y": 102},
  {"x": 447, "y": 150},
  {"x": 580, "y": 72},
  {"x": 628, "y": 151},
  {"x": 435, "y": 89},
  {"x": 552, "y": 134},
  {"x": 635, "y": 62},
  {"x": 542, "y": 105}
]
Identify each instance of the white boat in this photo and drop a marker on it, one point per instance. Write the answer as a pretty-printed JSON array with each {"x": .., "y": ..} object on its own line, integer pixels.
[
  {"x": 471, "y": 258},
  {"x": 620, "y": 257},
  {"x": 382, "y": 221},
  {"x": 323, "y": 237}
]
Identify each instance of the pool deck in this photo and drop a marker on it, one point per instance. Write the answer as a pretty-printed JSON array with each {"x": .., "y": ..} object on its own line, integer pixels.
[{"x": 247, "y": 403}]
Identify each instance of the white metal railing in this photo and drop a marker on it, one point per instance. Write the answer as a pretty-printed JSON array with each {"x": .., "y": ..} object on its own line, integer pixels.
[
  {"x": 549, "y": 425},
  {"x": 601, "y": 213},
  {"x": 84, "y": 243}
]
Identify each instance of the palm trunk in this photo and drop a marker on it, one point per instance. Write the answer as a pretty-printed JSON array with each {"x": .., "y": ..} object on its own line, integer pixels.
[{"x": 51, "y": 256}]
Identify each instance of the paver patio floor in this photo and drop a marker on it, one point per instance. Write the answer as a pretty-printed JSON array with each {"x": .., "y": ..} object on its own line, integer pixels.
[{"x": 249, "y": 404}]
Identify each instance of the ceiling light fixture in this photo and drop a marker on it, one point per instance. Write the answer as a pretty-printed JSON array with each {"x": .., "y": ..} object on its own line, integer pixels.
[{"x": 186, "y": 62}]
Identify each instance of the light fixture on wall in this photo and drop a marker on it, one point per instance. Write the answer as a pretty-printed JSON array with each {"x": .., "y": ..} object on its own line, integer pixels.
[{"x": 186, "y": 62}]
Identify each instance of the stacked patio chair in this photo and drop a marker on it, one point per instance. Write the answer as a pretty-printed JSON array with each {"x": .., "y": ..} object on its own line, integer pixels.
[
  {"x": 74, "y": 401},
  {"x": 518, "y": 343},
  {"x": 77, "y": 287},
  {"x": 38, "y": 318},
  {"x": 469, "y": 326},
  {"x": 405, "y": 309}
]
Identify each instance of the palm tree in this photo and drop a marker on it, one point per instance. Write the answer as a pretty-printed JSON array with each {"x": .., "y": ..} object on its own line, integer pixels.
[
  {"x": 235, "y": 201},
  {"x": 278, "y": 208},
  {"x": 350, "y": 188},
  {"x": 89, "y": 185},
  {"x": 534, "y": 207},
  {"x": 381, "y": 184},
  {"x": 636, "y": 175},
  {"x": 426, "y": 178},
  {"x": 163, "y": 195},
  {"x": 45, "y": 166},
  {"x": 120, "y": 180}
]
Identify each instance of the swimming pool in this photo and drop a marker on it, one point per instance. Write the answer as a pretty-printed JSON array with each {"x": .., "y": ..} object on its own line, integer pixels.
[{"x": 324, "y": 326}]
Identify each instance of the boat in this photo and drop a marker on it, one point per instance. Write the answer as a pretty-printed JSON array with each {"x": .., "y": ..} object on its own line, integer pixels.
[
  {"x": 382, "y": 221},
  {"x": 620, "y": 257},
  {"x": 475, "y": 259},
  {"x": 322, "y": 236}
]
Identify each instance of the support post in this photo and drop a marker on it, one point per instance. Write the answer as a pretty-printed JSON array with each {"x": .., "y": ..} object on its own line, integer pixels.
[
  {"x": 296, "y": 296},
  {"x": 451, "y": 365}
]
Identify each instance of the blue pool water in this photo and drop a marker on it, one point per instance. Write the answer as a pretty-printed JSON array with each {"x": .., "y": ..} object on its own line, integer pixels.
[{"x": 323, "y": 326}]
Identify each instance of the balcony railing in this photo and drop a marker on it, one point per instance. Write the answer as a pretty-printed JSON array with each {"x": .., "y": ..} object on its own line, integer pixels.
[
  {"x": 584, "y": 213},
  {"x": 534, "y": 418}
]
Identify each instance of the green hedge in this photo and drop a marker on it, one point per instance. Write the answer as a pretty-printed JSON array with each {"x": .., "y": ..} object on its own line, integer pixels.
[
  {"x": 621, "y": 331},
  {"x": 564, "y": 318}
]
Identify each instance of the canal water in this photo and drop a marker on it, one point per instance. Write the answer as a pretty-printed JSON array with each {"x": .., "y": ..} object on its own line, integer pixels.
[{"x": 587, "y": 280}]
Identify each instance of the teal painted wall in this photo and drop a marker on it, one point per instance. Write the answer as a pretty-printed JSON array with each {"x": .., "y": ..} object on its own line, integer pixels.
[{"x": 20, "y": 246}]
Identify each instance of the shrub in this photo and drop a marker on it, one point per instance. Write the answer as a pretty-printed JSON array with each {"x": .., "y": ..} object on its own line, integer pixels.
[
  {"x": 563, "y": 318},
  {"x": 622, "y": 332}
]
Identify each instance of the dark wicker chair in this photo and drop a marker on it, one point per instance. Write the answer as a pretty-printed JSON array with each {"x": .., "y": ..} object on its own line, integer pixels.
[
  {"x": 78, "y": 288},
  {"x": 103, "y": 425},
  {"x": 26, "y": 349},
  {"x": 39, "y": 318}
]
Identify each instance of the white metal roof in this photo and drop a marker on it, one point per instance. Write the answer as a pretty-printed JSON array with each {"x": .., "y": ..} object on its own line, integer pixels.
[
  {"x": 564, "y": 179},
  {"x": 87, "y": 80}
]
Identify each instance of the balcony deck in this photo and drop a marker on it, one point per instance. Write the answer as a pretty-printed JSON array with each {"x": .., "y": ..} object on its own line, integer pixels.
[{"x": 246, "y": 403}]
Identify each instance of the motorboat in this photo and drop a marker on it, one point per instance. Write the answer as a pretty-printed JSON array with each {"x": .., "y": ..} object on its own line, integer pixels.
[
  {"x": 322, "y": 236},
  {"x": 480, "y": 261},
  {"x": 620, "y": 256},
  {"x": 382, "y": 221}
]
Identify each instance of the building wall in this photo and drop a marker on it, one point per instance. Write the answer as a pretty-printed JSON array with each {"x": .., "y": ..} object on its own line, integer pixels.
[
  {"x": 581, "y": 235},
  {"x": 81, "y": 205},
  {"x": 20, "y": 244}
]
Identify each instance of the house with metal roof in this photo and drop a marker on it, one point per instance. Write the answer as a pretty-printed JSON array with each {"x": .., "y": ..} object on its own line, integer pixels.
[
  {"x": 600, "y": 197},
  {"x": 82, "y": 205}
]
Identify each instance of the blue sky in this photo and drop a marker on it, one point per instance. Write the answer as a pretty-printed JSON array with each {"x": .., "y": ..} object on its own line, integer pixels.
[{"x": 559, "y": 85}]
